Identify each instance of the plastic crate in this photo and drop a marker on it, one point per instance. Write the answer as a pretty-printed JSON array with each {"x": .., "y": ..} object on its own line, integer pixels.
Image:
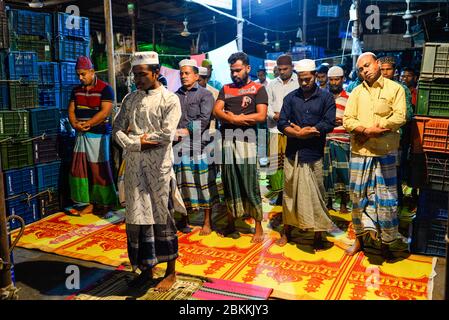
[
  {"x": 433, "y": 99},
  {"x": 3, "y": 65},
  {"x": 66, "y": 92},
  {"x": 437, "y": 172},
  {"x": 430, "y": 134},
  {"x": 44, "y": 121},
  {"x": 48, "y": 175},
  {"x": 49, "y": 96},
  {"x": 30, "y": 23},
  {"x": 48, "y": 73},
  {"x": 16, "y": 154},
  {"x": 20, "y": 181},
  {"x": 14, "y": 124},
  {"x": 68, "y": 73},
  {"x": 4, "y": 41},
  {"x": 23, "y": 95},
  {"x": 428, "y": 237},
  {"x": 45, "y": 149},
  {"x": 4, "y": 96},
  {"x": 22, "y": 65},
  {"x": 67, "y": 25},
  {"x": 432, "y": 205},
  {"x": 49, "y": 203},
  {"x": 435, "y": 61},
  {"x": 66, "y": 127},
  {"x": 42, "y": 47},
  {"x": 70, "y": 50},
  {"x": 23, "y": 207}
]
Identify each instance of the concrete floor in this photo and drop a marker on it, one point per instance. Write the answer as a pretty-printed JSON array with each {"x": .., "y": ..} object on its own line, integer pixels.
[{"x": 42, "y": 276}]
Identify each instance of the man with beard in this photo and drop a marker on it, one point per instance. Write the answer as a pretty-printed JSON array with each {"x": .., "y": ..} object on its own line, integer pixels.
[
  {"x": 336, "y": 152},
  {"x": 307, "y": 115},
  {"x": 145, "y": 128},
  {"x": 375, "y": 111},
  {"x": 277, "y": 90},
  {"x": 91, "y": 179},
  {"x": 240, "y": 106},
  {"x": 195, "y": 173},
  {"x": 409, "y": 78}
]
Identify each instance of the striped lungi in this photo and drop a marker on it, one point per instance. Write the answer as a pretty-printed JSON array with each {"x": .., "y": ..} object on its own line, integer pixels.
[
  {"x": 149, "y": 245},
  {"x": 303, "y": 200},
  {"x": 276, "y": 149},
  {"x": 241, "y": 179},
  {"x": 374, "y": 196},
  {"x": 197, "y": 182},
  {"x": 91, "y": 179},
  {"x": 336, "y": 167}
]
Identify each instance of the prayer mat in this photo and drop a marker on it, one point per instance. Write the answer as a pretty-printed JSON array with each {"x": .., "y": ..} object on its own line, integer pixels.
[{"x": 219, "y": 289}]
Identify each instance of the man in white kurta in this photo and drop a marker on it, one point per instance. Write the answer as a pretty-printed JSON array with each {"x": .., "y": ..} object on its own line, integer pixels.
[{"x": 145, "y": 127}]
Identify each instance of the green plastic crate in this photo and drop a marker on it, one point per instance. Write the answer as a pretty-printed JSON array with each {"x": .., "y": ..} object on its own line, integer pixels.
[
  {"x": 16, "y": 154},
  {"x": 4, "y": 43},
  {"x": 433, "y": 99},
  {"x": 435, "y": 61},
  {"x": 23, "y": 95},
  {"x": 14, "y": 124},
  {"x": 32, "y": 43}
]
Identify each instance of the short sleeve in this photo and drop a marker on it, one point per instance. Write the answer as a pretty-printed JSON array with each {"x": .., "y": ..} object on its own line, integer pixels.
[
  {"x": 107, "y": 94},
  {"x": 262, "y": 96},
  {"x": 221, "y": 94}
]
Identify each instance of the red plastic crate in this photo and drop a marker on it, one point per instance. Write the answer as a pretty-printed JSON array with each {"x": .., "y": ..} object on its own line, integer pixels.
[{"x": 430, "y": 134}]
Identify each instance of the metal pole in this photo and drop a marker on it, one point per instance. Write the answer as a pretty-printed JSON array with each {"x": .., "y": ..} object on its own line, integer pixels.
[
  {"x": 239, "y": 26},
  {"x": 304, "y": 22},
  {"x": 5, "y": 271},
  {"x": 355, "y": 32},
  {"x": 110, "y": 46}
]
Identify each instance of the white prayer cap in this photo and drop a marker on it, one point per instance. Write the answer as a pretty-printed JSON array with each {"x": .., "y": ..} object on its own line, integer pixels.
[
  {"x": 202, "y": 71},
  {"x": 188, "y": 62},
  {"x": 335, "y": 71},
  {"x": 305, "y": 65},
  {"x": 145, "y": 57}
]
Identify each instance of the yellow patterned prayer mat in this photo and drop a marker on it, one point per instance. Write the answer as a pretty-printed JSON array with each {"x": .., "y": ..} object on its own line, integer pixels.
[
  {"x": 59, "y": 230},
  {"x": 294, "y": 271}
]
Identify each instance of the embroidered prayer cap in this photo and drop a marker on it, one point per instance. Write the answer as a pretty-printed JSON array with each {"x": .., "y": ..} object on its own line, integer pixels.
[
  {"x": 84, "y": 63},
  {"x": 335, "y": 71},
  {"x": 188, "y": 62},
  {"x": 284, "y": 60},
  {"x": 388, "y": 60},
  {"x": 202, "y": 71},
  {"x": 144, "y": 57},
  {"x": 305, "y": 65}
]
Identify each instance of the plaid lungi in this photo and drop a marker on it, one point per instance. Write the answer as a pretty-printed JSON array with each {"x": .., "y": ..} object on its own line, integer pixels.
[
  {"x": 149, "y": 245},
  {"x": 197, "y": 182},
  {"x": 336, "y": 167},
  {"x": 241, "y": 179},
  {"x": 276, "y": 148},
  {"x": 374, "y": 195}
]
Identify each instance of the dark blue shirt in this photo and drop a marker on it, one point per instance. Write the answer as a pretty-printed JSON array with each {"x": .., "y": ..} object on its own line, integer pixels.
[{"x": 317, "y": 111}]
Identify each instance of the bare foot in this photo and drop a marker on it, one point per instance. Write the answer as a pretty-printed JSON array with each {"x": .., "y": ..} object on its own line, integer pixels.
[
  {"x": 166, "y": 283},
  {"x": 205, "y": 230},
  {"x": 88, "y": 209},
  {"x": 356, "y": 247},
  {"x": 282, "y": 241},
  {"x": 258, "y": 235}
]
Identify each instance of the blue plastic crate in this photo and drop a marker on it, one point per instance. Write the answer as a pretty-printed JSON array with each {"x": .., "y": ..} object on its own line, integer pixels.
[
  {"x": 26, "y": 208},
  {"x": 428, "y": 237},
  {"x": 48, "y": 175},
  {"x": 66, "y": 92},
  {"x": 20, "y": 181},
  {"x": 4, "y": 96},
  {"x": 67, "y": 25},
  {"x": 44, "y": 121},
  {"x": 49, "y": 96},
  {"x": 24, "y": 22},
  {"x": 68, "y": 73},
  {"x": 70, "y": 50},
  {"x": 48, "y": 73},
  {"x": 22, "y": 65},
  {"x": 432, "y": 205}
]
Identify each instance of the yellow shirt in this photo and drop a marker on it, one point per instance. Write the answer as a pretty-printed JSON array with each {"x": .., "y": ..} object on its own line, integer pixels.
[{"x": 384, "y": 104}]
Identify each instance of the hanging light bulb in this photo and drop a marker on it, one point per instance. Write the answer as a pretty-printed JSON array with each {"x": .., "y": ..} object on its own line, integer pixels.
[
  {"x": 185, "y": 32},
  {"x": 265, "y": 41}
]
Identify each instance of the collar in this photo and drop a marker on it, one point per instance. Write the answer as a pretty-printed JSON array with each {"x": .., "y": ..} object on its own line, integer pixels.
[
  {"x": 317, "y": 91},
  {"x": 153, "y": 91},
  {"x": 194, "y": 88},
  {"x": 94, "y": 84},
  {"x": 380, "y": 82},
  {"x": 294, "y": 77}
]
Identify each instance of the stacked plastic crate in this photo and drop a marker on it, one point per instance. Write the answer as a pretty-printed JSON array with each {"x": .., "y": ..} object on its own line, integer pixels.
[{"x": 431, "y": 150}]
